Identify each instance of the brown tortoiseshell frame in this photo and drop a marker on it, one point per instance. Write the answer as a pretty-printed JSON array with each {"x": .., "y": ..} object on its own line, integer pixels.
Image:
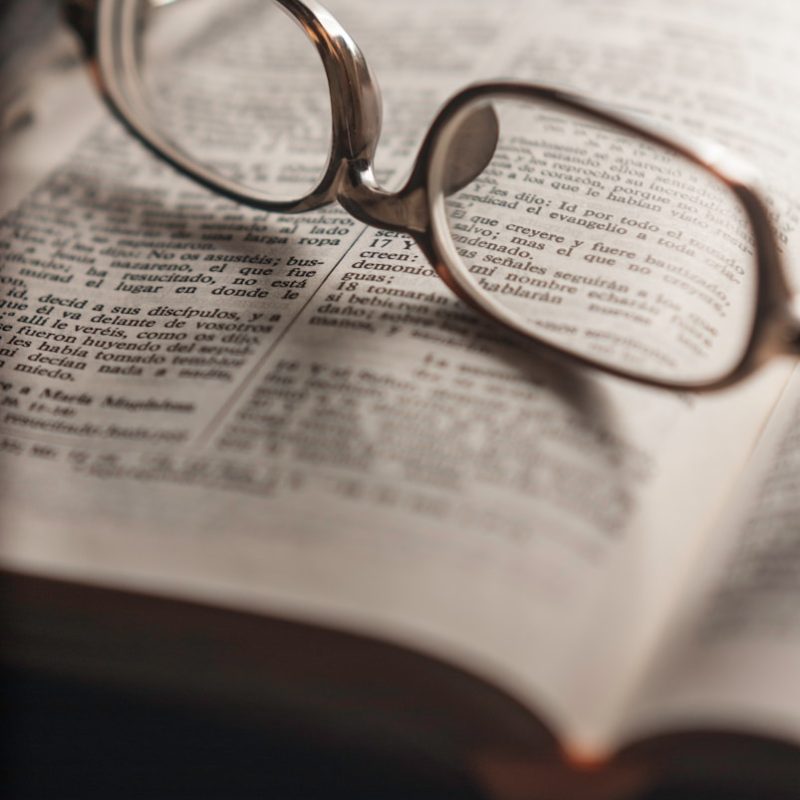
[{"x": 108, "y": 30}]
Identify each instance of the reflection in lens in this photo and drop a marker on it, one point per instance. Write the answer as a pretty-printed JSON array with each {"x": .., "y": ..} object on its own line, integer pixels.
[
  {"x": 604, "y": 245},
  {"x": 239, "y": 88}
]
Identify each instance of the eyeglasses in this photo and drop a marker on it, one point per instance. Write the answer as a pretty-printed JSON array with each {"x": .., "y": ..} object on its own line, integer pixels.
[{"x": 585, "y": 230}]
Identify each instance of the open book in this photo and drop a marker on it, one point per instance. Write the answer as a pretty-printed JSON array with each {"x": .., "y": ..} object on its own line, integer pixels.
[{"x": 215, "y": 448}]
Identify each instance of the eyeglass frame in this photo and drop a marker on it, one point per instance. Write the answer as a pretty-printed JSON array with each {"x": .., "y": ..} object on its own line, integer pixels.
[{"x": 356, "y": 112}]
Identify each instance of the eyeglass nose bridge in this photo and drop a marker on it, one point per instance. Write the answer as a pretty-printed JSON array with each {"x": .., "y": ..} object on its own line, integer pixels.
[
  {"x": 356, "y": 108},
  {"x": 357, "y": 113}
]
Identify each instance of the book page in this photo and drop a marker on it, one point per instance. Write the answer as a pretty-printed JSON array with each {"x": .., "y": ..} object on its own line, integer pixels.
[
  {"x": 291, "y": 413},
  {"x": 733, "y": 659}
]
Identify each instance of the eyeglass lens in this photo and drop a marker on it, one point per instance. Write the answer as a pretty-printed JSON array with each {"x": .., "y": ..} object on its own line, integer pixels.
[
  {"x": 222, "y": 77},
  {"x": 605, "y": 245}
]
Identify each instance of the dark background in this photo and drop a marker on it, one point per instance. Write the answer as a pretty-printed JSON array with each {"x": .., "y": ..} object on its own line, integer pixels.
[
  {"x": 67, "y": 739},
  {"x": 64, "y": 739}
]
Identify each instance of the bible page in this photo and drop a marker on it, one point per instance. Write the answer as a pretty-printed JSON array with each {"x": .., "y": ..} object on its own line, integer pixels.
[
  {"x": 733, "y": 659},
  {"x": 291, "y": 413}
]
